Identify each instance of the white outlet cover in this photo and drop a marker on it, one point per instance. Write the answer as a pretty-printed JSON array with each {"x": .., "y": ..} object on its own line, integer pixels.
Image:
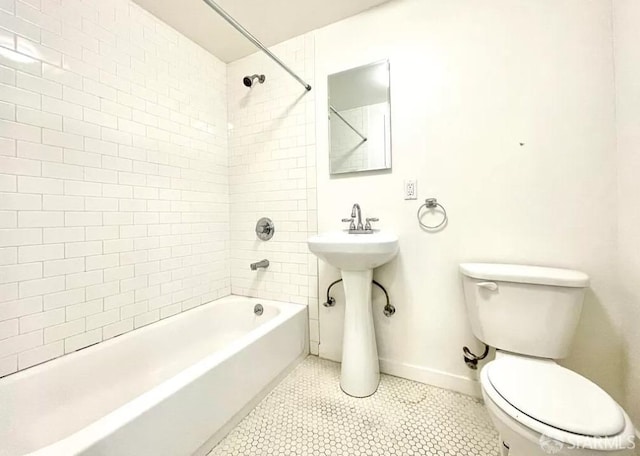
[{"x": 410, "y": 189}]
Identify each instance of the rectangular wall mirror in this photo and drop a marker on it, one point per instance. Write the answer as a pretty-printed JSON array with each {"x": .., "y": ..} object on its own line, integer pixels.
[{"x": 360, "y": 119}]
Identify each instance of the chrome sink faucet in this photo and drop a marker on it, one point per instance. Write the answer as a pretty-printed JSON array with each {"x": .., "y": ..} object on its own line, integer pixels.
[
  {"x": 358, "y": 228},
  {"x": 356, "y": 210}
]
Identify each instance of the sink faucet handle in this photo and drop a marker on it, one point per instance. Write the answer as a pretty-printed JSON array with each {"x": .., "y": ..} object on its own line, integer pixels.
[
  {"x": 367, "y": 226},
  {"x": 352, "y": 224}
]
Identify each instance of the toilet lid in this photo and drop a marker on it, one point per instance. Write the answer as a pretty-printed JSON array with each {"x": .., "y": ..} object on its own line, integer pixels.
[{"x": 556, "y": 396}]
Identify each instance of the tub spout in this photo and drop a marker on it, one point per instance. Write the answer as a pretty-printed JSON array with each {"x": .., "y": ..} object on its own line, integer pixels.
[{"x": 260, "y": 264}]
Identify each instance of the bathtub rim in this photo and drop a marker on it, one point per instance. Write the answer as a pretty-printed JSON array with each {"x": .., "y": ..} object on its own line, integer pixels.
[{"x": 83, "y": 438}]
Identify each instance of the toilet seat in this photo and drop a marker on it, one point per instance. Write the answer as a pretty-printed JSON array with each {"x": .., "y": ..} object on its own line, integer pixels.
[{"x": 555, "y": 402}]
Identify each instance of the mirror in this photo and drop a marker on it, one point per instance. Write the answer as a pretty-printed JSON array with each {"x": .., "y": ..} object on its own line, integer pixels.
[{"x": 360, "y": 119}]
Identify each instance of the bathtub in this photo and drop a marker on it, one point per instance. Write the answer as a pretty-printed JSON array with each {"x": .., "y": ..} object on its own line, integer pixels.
[{"x": 171, "y": 388}]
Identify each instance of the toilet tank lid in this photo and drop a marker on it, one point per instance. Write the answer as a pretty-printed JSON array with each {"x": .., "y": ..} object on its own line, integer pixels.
[{"x": 520, "y": 273}]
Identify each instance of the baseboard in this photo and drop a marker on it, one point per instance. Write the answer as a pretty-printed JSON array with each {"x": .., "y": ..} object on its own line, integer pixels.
[
  {"x": 433, "y": 377},
  {"x": 233, "y": 422}
]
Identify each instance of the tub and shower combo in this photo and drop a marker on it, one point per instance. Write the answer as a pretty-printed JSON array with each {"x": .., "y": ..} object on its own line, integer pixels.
[{"x": 173, "y": 388}]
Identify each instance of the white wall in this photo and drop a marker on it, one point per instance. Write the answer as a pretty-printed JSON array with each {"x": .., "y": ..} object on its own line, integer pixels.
[
  {"x": 272, "y": 174},
  {"x": 113, "y": 175},
  {"x": 627, "y": 65},
  {"x": 469, "y": 83}
]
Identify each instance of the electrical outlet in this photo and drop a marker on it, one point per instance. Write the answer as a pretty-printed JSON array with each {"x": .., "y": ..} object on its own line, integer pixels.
[{"x": 410, "y": 189}]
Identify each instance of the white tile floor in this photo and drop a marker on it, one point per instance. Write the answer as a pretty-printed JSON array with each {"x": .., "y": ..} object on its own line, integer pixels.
[{"x": 307, "y": 414}]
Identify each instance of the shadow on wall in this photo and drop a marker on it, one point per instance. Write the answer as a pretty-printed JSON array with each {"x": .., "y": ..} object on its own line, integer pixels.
[
  {"x": 597, "y": 333},
  {"x": 630, "y": 370}
]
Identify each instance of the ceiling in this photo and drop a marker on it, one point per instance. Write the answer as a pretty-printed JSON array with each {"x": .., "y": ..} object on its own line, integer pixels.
[{"x": 271, "y": 21}]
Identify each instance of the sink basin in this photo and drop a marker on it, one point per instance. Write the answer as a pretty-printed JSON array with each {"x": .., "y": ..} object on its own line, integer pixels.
[
  {"x": 356, "y": 255},
  {"x": 354, "y": 252}
]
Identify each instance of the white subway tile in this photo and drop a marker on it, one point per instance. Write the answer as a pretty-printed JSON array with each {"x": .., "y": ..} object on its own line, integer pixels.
[
  {"x": 18, "y": 96},
  {"x": 82, "y": 219},
  {"x": 64, "y": 330},
  {"x": 39, "y": 185},
  {"x": 39, "y": 118},
  {"x": 40, "y": 286},
  {"x": 40, "y": 354},
  {"x": 64, "y": 108},
  {"x": 20, "y": 272},
  {"x": 83, "y": 279},
  {"x": 8, "y": 292},
  {"x": 8, "y": 148},
  {"x": 83, "y": 309},
  {"x": 17, "y": 344},
  {"x": 132, "y": 310},
  {"x": 8, "y": 255},
  {"x": 20, "y": 166},
  {"x": 103, "y": 319},
  {"x": 34, "y": 16},
  {"x": 21, "y": 62},
  {"x": 31, "y": 253},
  {"x": 61, "y": 76},
  {"x": 104, "y": 289},
  {"x": 78, "y": 97},
  {"x": 82, "y": 128},
  {"x": 41, "y": 320},
  {"x": 64, "y": 298},
  {"x": 77, "y": 249},
  {"x": 55, "y": 41},
  {"x": 8, "y": 76},
  {"x": 7, "y": 112},
  {"x": 84, "y": 340},
  {"x": 58, "y": 235},
  {"x": 39, "y": 85},
  {"x": 18, "y": 237},
  {"x": 19, "y": 26},
  {"x": 77, "y": 188},
  {"x": 39, "y": 152},
  {"x": 19, "y": 307},
  {"x": 117, "y": 329},
  {"x": 15, "y": 130},
  {"x": 15, "y": 201},
  {"x": 8, "y": 219},
  {"x": 8, "y": 183},
  {"x": 62, "y": 267},
  {"x": 62, "y": 171},
  {"x": 9, "y": 365},
  {"x": 8, "y": 328},
  {"x": 33, "y": 219},
  {"x": 60, "y": 139}
]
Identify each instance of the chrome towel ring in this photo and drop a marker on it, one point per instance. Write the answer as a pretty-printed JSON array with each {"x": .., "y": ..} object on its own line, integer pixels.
[{"x": 432, "y": 203}]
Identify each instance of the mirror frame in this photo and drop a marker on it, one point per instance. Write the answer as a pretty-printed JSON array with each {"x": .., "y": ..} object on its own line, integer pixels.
[{"x": 388, "y": 141}]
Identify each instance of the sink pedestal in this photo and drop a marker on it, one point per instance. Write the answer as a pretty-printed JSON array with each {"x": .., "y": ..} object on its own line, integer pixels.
[
  {"x": 360, "y": 369},
  {"x": 357, "y": 255}
]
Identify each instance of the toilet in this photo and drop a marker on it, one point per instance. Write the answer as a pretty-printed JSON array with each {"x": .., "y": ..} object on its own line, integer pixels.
[{"x": 530, "y": 314}]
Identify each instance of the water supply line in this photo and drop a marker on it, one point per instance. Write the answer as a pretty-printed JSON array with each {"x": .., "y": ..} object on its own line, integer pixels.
[
  {"x": 236, "y": 25},
  {"x": 471, "y": 359},
  {"x": 388, "y": 310}
]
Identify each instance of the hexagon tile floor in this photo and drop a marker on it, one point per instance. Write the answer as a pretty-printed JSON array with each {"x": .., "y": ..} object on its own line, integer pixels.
[{"x": 307, "y": 414}]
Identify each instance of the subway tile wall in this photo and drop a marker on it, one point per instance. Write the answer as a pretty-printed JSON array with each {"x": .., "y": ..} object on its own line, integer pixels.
[
  {"x": 272, "y": 173},
  {"x": 114, "y": 192}
]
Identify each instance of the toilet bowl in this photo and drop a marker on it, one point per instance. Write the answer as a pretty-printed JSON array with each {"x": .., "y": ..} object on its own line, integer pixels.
[
  {"x": 530, "y": 314},
  {"x": 541, "y": 408}
]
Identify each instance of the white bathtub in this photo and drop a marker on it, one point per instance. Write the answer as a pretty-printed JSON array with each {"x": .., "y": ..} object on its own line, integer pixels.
[{"x": 167, "y": 389}]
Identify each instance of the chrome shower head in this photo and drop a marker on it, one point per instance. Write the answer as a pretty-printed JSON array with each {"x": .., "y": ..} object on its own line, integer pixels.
[{"x": 248, "y": 80}]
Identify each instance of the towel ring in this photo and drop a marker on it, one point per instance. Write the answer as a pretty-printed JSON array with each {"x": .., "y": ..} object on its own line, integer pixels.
[{"x": 432, "y": 203}]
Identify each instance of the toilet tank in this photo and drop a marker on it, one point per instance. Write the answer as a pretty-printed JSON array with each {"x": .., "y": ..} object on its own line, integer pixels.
[{"x": 530, "y": 310}]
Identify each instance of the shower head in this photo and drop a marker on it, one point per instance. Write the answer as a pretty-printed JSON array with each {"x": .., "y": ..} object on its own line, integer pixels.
[{"x": 248, "y": 80}]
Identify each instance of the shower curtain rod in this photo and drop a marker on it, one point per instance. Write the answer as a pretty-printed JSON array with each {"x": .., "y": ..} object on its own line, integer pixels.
[{"x": 254, "y": 40}]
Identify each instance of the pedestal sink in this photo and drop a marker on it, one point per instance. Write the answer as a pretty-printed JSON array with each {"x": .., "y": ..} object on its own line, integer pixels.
[{"x": 356, "y": 255}]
